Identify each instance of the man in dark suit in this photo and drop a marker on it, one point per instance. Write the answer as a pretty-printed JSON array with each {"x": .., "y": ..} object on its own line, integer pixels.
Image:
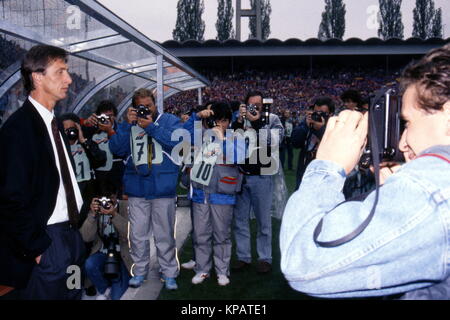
[{"x": 39, "y": 195}]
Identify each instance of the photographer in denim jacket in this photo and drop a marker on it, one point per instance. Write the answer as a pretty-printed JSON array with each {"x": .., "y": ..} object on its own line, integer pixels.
[{"x": 405, "y": 246}]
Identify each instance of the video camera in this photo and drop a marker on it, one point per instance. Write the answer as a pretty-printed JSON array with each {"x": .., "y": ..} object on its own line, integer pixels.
[{"x": 386, "y": 126}]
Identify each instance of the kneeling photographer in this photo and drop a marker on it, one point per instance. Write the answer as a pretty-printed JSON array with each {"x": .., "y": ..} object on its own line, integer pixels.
[
  {"x": 109, "y": 262},
  {"x": 395, "y": 240}
]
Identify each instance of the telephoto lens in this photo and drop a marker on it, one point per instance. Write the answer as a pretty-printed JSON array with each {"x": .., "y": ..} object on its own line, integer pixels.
[{"x": 112, "y": 262}]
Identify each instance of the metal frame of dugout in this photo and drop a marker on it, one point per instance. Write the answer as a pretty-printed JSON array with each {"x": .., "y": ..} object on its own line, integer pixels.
[{"x": 104, "y": 40}]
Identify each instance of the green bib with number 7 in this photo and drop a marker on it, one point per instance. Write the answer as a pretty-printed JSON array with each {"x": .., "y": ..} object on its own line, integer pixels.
[
  {"x": 144, "y": 154},
  {"x": 83, "y": 167}
]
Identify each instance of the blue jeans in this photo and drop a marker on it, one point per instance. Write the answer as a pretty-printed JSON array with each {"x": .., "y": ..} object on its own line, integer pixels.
[
  {"x": 94, "y": 269},
  {"x": 256, "y": 193}
]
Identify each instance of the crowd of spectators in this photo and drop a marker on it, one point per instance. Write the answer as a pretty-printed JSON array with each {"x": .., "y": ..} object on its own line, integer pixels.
[{"x": 293, "y": 90}]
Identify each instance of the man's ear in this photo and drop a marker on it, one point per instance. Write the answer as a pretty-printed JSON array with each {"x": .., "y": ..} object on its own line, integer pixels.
[{"x": 37, "y": 78}]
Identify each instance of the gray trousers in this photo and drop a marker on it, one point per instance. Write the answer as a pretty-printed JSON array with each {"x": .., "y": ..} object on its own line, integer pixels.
[
  {"x": 256, "y": 193},
  {"x": 156, "y": 215},
  {"x": 212, "y": 233}
]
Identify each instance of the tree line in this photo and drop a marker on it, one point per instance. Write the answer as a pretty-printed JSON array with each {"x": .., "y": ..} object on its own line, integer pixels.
[{"x": 427, "y": 20}]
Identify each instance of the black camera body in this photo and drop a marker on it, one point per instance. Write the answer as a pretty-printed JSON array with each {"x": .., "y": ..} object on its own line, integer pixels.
[
  {"x": 211, "y": 122},
  {"x": 318, "y": 116},
  {"x": 110, "y": 242},
  {"x": 251, "y": 108},
  {"x": 103, "y": 119},
  {"x": 105, "y": 203},
  {"x": 386, "y": 125},
  {"x": 72, "y": 134},
  {"x": 142, "y": 111}
]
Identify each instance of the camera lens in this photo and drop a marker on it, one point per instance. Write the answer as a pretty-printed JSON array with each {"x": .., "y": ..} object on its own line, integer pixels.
[{"x": 72, "y": 134}]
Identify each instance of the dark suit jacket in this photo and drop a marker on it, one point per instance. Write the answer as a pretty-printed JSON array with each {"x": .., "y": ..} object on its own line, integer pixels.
[{"x": 29, "y": 183}]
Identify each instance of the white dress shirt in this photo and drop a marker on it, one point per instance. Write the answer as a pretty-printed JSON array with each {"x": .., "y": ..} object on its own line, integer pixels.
[{"x": 60, "y": 213}]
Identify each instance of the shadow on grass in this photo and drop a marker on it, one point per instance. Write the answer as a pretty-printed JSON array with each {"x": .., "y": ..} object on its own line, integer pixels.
[{"x": 244, "y": 285}]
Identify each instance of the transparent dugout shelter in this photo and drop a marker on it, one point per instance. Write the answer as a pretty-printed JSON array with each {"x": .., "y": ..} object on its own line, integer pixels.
[{"x": 109, "y": 59}]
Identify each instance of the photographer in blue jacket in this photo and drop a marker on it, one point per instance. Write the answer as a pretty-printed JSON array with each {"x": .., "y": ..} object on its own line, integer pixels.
[
  {"x": 406, "y": 244},
  {"x": 150, "y": 181}
]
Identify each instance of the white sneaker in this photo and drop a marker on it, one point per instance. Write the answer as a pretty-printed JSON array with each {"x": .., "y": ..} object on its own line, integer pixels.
[
  {"x": 199, "y": 277},
  {"x": 222, "y": 280},
  {"x": 188, "y": 265},
  {"x": 104, "y": 296}
]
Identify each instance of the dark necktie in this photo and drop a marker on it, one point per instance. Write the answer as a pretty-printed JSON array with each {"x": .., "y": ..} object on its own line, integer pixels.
[{"x": 72, "y": 208}]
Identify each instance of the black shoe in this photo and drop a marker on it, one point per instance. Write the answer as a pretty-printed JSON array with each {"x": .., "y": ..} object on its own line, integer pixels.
[
  {"x": 263, "y": 267},
  {"x": 240, "y": 265}
]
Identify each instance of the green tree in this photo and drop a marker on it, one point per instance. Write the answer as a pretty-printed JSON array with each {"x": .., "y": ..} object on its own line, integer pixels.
[
  {"x": 266, "y": 10},
  {"x": 391, "y": 25},
  {"x": 427, "y": 20},
  {"x": 333, "y": 20},
  {"x": 189, "y": 20},
  {"x": 224, "y": 24},
  {"x": 436, "y": 30}
]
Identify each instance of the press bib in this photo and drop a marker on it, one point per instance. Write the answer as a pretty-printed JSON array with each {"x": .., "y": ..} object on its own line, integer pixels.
[
  {"x": 82, "y": 165},
  {"x": 103, "y": 143},
  {"x": 141, "y": 151},
  {"x": 204, "y": 163}
]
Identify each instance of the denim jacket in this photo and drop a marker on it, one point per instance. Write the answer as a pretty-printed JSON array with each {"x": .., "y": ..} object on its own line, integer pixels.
[{"x": 405, "y": 247}]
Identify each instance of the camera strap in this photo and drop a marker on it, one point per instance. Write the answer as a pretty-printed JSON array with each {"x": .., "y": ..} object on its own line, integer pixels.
[
  {"x": 376, "y": 163},
  {"x": 103, "y": 144}
]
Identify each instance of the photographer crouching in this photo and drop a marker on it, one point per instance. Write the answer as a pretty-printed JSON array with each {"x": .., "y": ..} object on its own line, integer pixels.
[
  {"x": 109, "y": 262},
  {"x": 405, "y": 245}
]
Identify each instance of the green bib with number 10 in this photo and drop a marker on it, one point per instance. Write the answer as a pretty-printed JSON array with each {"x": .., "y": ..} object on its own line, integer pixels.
[{"x": 204, "y": 163}]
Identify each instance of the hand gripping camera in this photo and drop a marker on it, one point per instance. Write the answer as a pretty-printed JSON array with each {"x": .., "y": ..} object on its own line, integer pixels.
[
  {"x": 251, "y": 108},
  {"x": 385, "y": 130}
]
